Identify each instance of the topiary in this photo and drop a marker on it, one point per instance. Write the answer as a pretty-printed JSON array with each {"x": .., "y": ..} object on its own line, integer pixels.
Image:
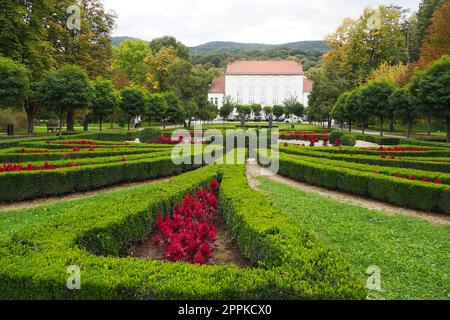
[
  {"x": 335, "y": 135},
  {"x": 348, "y": 140},
  {"x": 149, "y": 135}
]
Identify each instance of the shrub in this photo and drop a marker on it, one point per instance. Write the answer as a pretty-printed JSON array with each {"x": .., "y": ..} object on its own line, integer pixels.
[
  {"x": 336, "y": 134},
  {"x": 149, "y": 135},
  {"x": 348, "y": 140}
]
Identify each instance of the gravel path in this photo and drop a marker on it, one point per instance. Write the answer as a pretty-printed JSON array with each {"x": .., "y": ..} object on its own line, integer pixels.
[
  {"x": 254, "y": 171},
  {"x": 22, "y": 205}
]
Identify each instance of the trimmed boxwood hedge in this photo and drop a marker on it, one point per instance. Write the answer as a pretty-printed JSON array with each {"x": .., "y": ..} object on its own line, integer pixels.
[
  {"x": 419, "y": 163},
  {"x": 25, "y": 185},
  {"x": 292, "y": 262},
  {"x": 411, "y": 194}
]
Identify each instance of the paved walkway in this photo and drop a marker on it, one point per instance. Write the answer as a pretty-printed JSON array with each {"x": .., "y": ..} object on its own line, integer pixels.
[{"x": 254, "y": 171}]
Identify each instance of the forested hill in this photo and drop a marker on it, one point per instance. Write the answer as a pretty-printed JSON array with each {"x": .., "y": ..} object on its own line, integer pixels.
[
  {"x": 219, "y": 53},
  {"x": 221, "y": 46}
]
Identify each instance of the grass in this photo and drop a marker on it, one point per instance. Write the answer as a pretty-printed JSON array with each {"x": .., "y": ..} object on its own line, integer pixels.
[{"x": 413, "y": 254}]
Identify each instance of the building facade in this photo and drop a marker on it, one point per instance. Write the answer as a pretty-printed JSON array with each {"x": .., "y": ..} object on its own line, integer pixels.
[{"x": 266, "y": 83}]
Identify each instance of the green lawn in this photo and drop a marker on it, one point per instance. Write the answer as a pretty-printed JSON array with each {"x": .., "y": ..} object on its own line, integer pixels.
[{"x": 412, "y": 253}]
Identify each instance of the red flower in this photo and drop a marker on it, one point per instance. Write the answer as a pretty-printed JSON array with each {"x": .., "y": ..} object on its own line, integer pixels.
[
  {"x": 214, "y": 184},
  {"x": 438, "y": 181},
  {"x": 123, "y": 159},
  {"x": 286, "y": 144},
  {"x": 376, "y": 171},
  {"x": 426, "y": 180},
  {"x": 412, "y": 178},
  {"x": 383, "y": 156}
]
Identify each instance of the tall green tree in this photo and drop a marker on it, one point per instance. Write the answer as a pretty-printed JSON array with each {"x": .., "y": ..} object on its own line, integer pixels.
[
  {"x": 404, "y": 108},
  {"x": 129, "y": 58},
  {"x": 105, "y": 99},
  {"x": 278, "y": 111},
  {"x": 14, "y": 83},
  {"x": 338, "y": 112},
  {"x": 431, "y": 89},
  {"x": 133, "y": 103},
  {"x": 174, "y": 112},
  {"x": 157, "y": 107},
  {"x": 419, "y": 26},
  {"x": 181, "y": 50},
  {"x": 352, "y": 107},
  {"x": 65, "y": 90}
]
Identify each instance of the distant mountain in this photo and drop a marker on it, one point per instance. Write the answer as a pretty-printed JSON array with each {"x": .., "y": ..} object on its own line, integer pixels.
[
  {"x": 224, "y": 46},
  {"x": 117, "y": 41}
]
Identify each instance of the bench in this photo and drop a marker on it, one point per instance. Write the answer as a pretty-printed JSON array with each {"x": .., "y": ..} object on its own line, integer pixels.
[{"x": 52, "y": 127}]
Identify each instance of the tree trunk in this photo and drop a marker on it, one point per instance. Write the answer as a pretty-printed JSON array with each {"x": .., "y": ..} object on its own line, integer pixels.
[
  {"x": 30, "y": 126},
  {"x": 100, "y": 124},
  {"x": 70, "y": 119},
  {"x": 270, "y": 121},
  {"x": 85, "y": 123},
  {"x": 448, "y": 129},
  {"x": 381, "y": 126},
  {"x": 329, "y": 123},
  {"x": 350, "y": 126},
  {"x": 363, "y": 126},
  {"x": 242, "y": 120},
  {"x": 429, "y": 126},
  {"x": 129, "y": 120},
  {"x": 111, "y": 122},
  {"x": 409, "y": 129},
  {"x": 391, "y": 125}
]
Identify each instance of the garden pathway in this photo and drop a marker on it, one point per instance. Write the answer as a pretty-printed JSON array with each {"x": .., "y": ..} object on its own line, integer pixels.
[
  {"x": 22, "y": 205},
  {"x": 254, "y": 171}
]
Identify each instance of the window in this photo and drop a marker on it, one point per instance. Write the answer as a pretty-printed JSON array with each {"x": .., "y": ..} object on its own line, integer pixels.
[
  {"x": 251, "y": 95},
  {"x": 263, "y": 95},
  {"x": 275, "y": 96},
  {"x": 240, "y": 95},
  {"x": 216, "y": 101}
]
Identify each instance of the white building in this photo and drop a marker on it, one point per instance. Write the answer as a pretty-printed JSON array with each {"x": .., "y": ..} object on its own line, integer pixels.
[{"x": 262, "y": 82}]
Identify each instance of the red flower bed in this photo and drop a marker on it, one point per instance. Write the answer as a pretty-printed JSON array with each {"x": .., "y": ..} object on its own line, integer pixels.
[
  {"x": 397, "y": 149},
  {"x": 189, "y": 234},
  {"x": 414, "y": 178},
  {"x": 9, "y": 167},
  {"x": 33, "y": 151},
  {"x": 306, "y": 136},
  {"x": 166, "y": 139}
]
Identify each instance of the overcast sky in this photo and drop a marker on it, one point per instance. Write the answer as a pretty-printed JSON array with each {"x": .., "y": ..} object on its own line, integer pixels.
[{"x": 257, "y": 21}]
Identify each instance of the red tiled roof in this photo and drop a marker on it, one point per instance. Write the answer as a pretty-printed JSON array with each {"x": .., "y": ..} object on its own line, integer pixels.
[
  {"x": 283, "y": 67},
  {"x": 218, "y": 85},
  {"x": 307, "y": 85}
]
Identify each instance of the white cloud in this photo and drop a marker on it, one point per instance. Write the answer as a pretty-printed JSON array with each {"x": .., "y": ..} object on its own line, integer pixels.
[{"x": 265, "y": 21}]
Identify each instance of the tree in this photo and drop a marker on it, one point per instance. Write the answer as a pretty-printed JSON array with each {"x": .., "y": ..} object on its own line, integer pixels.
[
  {"x": 227, "y": 108},
  {"x": 89, "y": 45},
  {"x": 158, "y": 68},
  {"x": 431, "y": 88},
  {"x": 181, "y": 50},
  {"x": 256, "y": 109},
  {"x": 174, "y": 110},
  {"x": 133, "y": 103},
  {"x": 278, "y": 111},
  {"x": 293, "y": 106},
  {"x": 208, "y": 112},
  {"x": 244, "y": 111},
  {"x": 374, "y": 97},
  {"x": 338, "y": 112},
  {"x": 437, "y": 41},
  {"x": 24, "y": 39},
  {"x": 420, "y": 25},
  {"x": 404, "y": 108},
  {"x": 129, "y": 58},
  {"x": 15, "y": 83},
  {"x": 157, "y": 107},
  {"x": 352, "y": 107},
  {"x": 65, "y": 90},
  {"x": 268, "y": 110},
  {"x": 105, "y": 99}
]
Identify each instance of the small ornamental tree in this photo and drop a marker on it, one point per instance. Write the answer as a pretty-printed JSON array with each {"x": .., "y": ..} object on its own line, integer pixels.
[
  {"x": 278, "y": 111},
  {"x": 105, "y": 99},
  {"x": 174, "y": 110},
  {"x": 65, "y": 90},
  {"x": 352, "y": 107},
  {"x": 338, "y": 112},
  {"x": 156, "y": 107},
  {"x": 256, "y": 109},
  {"x": 269, "y": 114},
  {"x": 294, "y": 107},
  {"x": 244, "y": 111},
  {"x": 374, "y": 102},
  {"x": 14, "y": 83},
  {"x": 431, "y": 89},
  {"x": 227, "y": 108},
  {"x": 133, "y": 102},
  {"x": 404, "y": 108}
]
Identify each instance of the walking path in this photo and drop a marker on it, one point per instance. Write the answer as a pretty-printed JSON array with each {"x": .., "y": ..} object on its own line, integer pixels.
[
  {"x": 254, "y": 171},
  {"x": 22, "y": 205}
]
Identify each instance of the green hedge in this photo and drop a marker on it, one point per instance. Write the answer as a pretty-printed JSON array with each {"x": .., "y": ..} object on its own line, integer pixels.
[
  {"x": 25, "y": 185},
  {"x": 406, "y": 193},
  {"x": 418, "y": 164},
  {"x": 110, "y": 136},
  {"x": 293, "y": 263},
  {"x": 404, "y": 172},
  {"x": 385, "y": 141}
]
